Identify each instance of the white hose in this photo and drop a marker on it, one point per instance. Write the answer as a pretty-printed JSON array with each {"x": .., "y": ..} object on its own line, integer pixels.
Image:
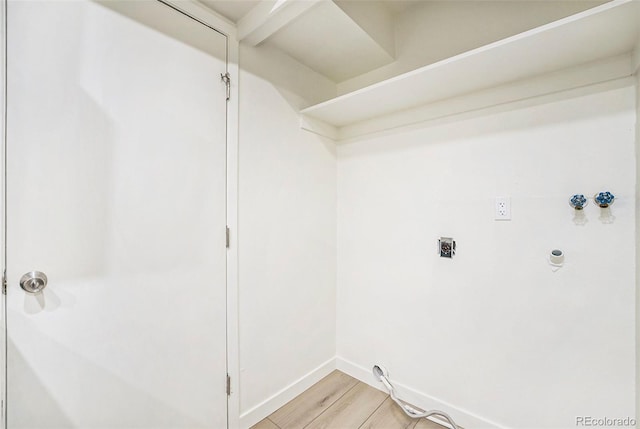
[{"x": 408, "y": 409}]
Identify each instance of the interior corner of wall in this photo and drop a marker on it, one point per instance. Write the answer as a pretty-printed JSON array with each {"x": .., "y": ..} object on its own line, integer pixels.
[{"x": 319, "y": 127}]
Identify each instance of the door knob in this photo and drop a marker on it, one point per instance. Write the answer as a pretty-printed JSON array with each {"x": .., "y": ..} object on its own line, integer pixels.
[{"x": 33, "y": 282}]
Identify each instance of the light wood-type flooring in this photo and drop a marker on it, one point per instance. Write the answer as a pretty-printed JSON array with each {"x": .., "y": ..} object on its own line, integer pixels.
[{"x": 339, "y": 401}]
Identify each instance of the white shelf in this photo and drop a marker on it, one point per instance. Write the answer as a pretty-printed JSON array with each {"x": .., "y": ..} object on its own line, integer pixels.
[{"x": 609, "y": 30}]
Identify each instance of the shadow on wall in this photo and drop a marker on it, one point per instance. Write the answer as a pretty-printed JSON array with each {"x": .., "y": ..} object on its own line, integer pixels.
[
  {"x": 35, "y": 397},
  {"x": 27, "y": 393},
  {"x": 68, "y": 152},
  {"x": 47, "y": 300},
  {"x": 443, "y": 131},
  {"x": 299, "y": 85},
  {"x": 169, "y": 22}
]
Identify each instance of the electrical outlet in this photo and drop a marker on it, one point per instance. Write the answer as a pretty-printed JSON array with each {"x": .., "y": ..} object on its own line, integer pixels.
[{"x": 503, "y": 208}]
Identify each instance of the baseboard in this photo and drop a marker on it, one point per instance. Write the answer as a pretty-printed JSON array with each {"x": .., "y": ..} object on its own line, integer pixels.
[
  {"x": 462, "y": 417},
  {"x": 265, "y": 408}
]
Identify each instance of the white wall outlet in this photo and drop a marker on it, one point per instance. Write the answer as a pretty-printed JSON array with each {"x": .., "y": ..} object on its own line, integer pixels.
[{"x": 503, "y": 208}]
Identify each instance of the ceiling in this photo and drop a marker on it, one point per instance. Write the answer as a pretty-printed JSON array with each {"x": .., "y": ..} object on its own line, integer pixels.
[
  {"x": 355, "y": 43},
  {"x": 339, "y": 39},
  {"x": 231, "y": 9},
  {"x": 323, "y": 37}
]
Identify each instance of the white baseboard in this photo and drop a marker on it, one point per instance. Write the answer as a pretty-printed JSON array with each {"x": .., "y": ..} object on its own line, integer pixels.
[
  {"x": 265, "y": 408},
  {"x": 461, "y": 417}
]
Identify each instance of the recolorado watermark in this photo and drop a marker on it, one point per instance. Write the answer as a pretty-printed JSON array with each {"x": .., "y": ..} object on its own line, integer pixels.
[{"x": 605, "y": 421}]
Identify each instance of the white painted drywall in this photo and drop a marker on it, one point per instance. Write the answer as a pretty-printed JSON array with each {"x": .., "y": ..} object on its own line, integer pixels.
[
  {"x": 374, "y": 18},
  {"x": 495, "y": 331},
  {"x": 427, "y": 32},
  {"x": 287, "y": 232},
  {"x": 295, "y": 83}
]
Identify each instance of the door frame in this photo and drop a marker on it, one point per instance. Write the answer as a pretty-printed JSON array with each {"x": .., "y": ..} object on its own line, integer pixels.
[
  {"x": 221, "y": 25},
  {"x": 3, "y": 211}
]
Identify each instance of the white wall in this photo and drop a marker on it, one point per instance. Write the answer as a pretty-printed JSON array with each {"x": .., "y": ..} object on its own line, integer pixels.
[
  {"x": 287, "y": 233},
  {"x": 495, "y": 331}
]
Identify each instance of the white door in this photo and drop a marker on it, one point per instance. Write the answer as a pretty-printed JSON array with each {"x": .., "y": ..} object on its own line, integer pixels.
[{"x": 116, "y": 172}]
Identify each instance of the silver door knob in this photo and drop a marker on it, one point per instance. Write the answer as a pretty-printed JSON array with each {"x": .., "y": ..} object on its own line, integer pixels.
[{"x": 33, "y": 282}]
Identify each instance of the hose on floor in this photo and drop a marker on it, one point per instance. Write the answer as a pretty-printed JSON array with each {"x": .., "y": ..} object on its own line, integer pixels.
[{"x": 381, "y": 374}]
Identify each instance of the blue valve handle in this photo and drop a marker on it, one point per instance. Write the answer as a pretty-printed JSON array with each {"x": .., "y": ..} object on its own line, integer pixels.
[
  {"x": 604, "y": 199},
  {"x": 578, "y": 201}
]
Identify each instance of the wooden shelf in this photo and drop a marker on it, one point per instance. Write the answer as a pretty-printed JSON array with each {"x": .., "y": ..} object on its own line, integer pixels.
[{"x": 609, "y": 30}]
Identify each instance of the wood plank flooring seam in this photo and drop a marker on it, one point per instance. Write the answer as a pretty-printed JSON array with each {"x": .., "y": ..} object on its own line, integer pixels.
[
  {"x": 334, "y": 402},
  {"x": 351, "y": 410},
  {"x": 265, "y": 424},
  {"x": 300, "y": 411},
  {"x": 372, "y": 413},
  {"x": 274, "y": 423}
]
